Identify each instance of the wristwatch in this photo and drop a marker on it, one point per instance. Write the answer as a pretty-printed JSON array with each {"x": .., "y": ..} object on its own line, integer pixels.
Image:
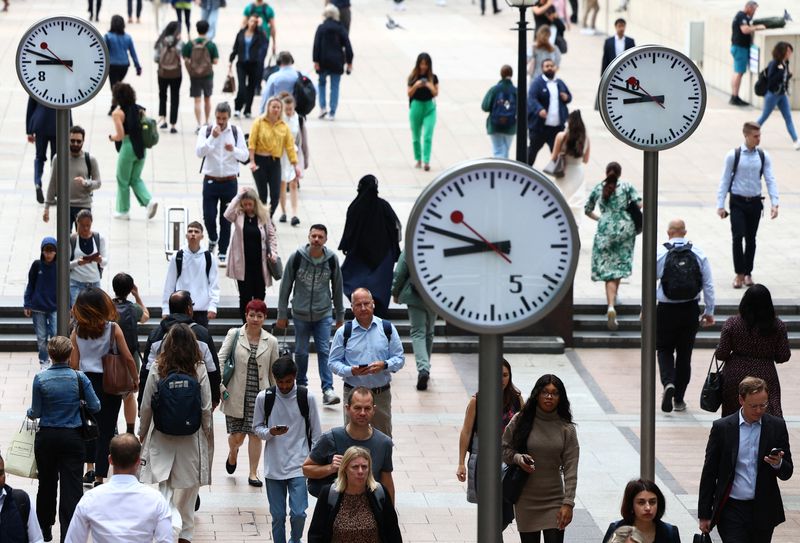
[{"x": 385, "y": 365}]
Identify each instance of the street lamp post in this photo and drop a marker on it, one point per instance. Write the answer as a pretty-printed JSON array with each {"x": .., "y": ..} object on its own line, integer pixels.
[{"x": 522, "y": 57}]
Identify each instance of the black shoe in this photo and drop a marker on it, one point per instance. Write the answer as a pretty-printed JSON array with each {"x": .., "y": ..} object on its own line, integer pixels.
[
  {"x": 283, "y": 218},
  {"x": 422, "y": 380},
  {"x": 230, "y": 468},
  {"x": 47, "y": 533},
  {"x": 255, "y": 482},
  {"x": 295, "y": 221},
  {"x": 163, "y": 125},
  {"x": 88, "y": 479},
  {"x": 97, "y": 483},
  {"x": 197, "y": 503},
  {"x": 666, "y": 399},
  {"x": 39, "y": 195},
  {"x": 173, "y": 130}
]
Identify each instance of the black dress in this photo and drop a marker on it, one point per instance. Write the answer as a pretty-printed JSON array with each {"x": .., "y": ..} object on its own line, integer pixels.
[{"x": 253, "y": 286}]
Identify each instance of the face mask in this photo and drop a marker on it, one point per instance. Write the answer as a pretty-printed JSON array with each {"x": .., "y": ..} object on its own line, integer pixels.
[{"x": 549, "y": 74}]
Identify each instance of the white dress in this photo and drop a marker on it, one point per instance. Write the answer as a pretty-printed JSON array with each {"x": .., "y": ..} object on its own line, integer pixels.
[
  {"x": 572, "y": 186},
  {"x": 287, "y": 170}
]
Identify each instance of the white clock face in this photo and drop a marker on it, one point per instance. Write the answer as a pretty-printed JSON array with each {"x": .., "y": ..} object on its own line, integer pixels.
[
  {"x": 652, "y": 97},
  {"x": 62, "y": 62},
  {"x": 492, "y": 245}
]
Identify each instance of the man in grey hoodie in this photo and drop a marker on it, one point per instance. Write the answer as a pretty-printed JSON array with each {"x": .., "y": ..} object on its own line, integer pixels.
[{"x": 313, "y": 274}]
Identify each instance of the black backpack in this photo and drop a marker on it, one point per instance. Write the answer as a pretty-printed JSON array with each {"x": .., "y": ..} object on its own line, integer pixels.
[
  {"x": 128, "y": 324},
  {"x": 761, "y": 86},
  {"x": 176, "y": 405},
  {"x": 305, "y": 95},
  {"x": 302, "y": 403},
  {"x": 682, "y": 278},
  {"x": 348, "y": 331},
  {"x": 179, "y": 263},
  {"x": 315, "y": 485}
]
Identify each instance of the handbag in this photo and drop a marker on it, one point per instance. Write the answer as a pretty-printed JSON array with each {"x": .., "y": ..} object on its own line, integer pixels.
[
  {"x": 556, "y": 167},
  {"x": 20, "y": 457},
  {"x": 230, "y": 84},
  {"x": 117, "y": 380},
  {"x": 230, "y": 362},
  {"x": 275, "y": 268},
  {"x": 701, "y": 538},
  {"x": 89, "y": 429},
  {"x": 514, "y": 479},
  {"x": 711, "y": 395},
  {"x": 636, "y": 215}
]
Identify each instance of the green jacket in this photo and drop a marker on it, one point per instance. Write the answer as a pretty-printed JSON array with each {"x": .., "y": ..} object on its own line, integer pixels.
[
  {"x": 402, "y": 287},
  {"x": 488, "y": 102}
]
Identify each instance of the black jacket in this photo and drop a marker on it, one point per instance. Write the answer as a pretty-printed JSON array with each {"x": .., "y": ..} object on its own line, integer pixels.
[
  {"x": 258, "y": 46},
  {"x": 332, "y": 47},
  {"x": 775, "y": 75},
  {"x": 321, "y": 529},
  {"x": 720, "y": 463},
  {"x": 665, "y": 533},
  {"x": 610, "y": 51}
]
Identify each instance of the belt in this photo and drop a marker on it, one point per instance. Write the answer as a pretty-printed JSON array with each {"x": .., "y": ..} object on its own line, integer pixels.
[
  {"x": 747, "y": 198},
  {"x": 220, "y": 179},
  {"x": 268, "y": 157},
  {"x": 376, "y": 390}
]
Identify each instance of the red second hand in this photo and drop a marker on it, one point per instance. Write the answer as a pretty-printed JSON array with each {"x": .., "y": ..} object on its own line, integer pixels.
[
  {"x": 458, "y": 218},
  {"x": 651, "y": 97},
  {"x": 46, "y": 48}
]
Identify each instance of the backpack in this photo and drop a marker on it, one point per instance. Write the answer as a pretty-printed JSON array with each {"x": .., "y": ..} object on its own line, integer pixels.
[
  {"x": 179, "y": 263},
  {"x": 504, "y": 108},
  {"x": 199, "y": 64},
  {"x": 169, "y": 62},
  {"x": 88, "y": 165},
  {"x": 315, "y": 485},
  {"x": 737, "y": 154},
  {"x": 762, "y": 83},
  {"x": 305, "y": 95},
  {"x": 235, "y": 131},
  {"x": 302, "y": 403},
  {"x": 73, "y": 241},
  {"x": 348, "y": 331},
  {"x": 682, "y": 278},
  {"x": 128, "y": 324},
  {"x": 176, "y": 405},
  {"x": 149, "y": 130}
]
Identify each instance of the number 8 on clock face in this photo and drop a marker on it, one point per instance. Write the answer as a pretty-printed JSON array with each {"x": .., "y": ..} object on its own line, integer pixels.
[{"x": 492, "y": 245}]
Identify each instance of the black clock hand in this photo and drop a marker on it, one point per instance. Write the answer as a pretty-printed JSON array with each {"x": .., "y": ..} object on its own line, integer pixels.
[
  {"x": 53, "y": 62},
  {"x": 504, "y": 246},
  {"x": 657, "y": 99},
  {"x": 449, "y": 234},
  {"x": 38, "y": 54},
  {"x": 629, "y": 91}
]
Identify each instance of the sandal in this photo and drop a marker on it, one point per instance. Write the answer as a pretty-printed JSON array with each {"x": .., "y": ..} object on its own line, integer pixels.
[{"x": 255, "y": 482}]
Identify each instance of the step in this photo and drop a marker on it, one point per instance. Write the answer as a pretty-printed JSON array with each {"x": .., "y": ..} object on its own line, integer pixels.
[
  {"x": 633, "y": 339},
  {"x": 598, "y": 321}
]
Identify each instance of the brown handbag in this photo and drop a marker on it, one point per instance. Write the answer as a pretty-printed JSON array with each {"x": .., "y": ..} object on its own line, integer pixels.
[{"x": 117, "y": 380}]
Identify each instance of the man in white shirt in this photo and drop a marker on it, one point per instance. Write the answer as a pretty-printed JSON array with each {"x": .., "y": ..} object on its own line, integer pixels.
[
  {"x": 222, "y": 148},
  {"x": 122, "y": 510},
  {"x": 616, "y": 44},
  {"x": 195, "y": 271},
  {"x": 17, "y": 513},
  {"x": 548, "y": 97}
]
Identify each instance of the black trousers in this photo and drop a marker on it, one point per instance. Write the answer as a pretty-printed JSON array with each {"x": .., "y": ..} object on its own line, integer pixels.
[
  {"x": 174, "y": 86},
  {"x": 59, "y": 459},
  {"x": 268, "y": 181},
  {"x": 745, "y": 216},
  {"x": 40, "y": 159},
  {"x": 737, "y": 525},
  {"x": 187, "y": 13},
  {"x": 248, "y": 75},
  {"x": 216, "y": 197},
  {"x": 106, "y": 423},
  {"x": 551, "y": 535},
  {"x": 547, "y": 134},
  {"x": 483, "y": 6},
  {"x": 116, "y": 73},
  {"x": 252, "y": 288},
  {"x": 201, "y": 318},
  {"x": 574, "y": 17},
  {"x": 138, "y": 8},
  {"x": 95, "y": 11},
  {"x": 676, "y": 328}
]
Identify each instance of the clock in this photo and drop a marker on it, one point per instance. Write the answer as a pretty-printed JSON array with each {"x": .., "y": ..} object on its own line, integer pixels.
[
  {"x": 492, "y": 245},
  {"x": 62, "y": 62},
  {"x": 652, "y": 97}
]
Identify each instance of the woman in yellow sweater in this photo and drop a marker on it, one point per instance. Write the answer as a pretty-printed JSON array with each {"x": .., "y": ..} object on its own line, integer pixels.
[{"x": 269, "y": 138}]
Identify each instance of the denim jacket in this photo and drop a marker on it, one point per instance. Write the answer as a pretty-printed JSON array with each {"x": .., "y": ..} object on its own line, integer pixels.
[{"x": 55, "y": 397}]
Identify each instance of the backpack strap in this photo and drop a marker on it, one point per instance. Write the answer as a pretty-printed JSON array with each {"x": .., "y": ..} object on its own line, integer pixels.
[
  {"x": 269, "y": 402},
  {"x": 87, "y": 158},
  {"x": 387, "y": 330},
  {"x": 763, "y": 160},
  {"x": 348, "y": 331},
  {"x": 302, "y": 404},
  {"x": 179, "y": 263},
  {"x": 208, "y": 263},
  {"x": 737, "y": 154}
]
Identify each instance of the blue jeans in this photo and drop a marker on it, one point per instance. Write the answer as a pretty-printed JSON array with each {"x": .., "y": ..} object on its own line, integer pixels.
[
  {"x": 335, "y": 78},
  {"x": 75, "y": 288},
  {"x": 782, "y": 101},
  {"x": 218, "y": 195},
  {"x": 322, "y": 340},
  {"x": 211, "y": 16},
  {"x": 45, "y": 326},
  {"x": 501, "y": 144},
  {"x": 298, "y": 503}
]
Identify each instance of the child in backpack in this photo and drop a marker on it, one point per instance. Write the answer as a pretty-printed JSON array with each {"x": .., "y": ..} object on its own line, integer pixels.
[
  {"x": 288, "y": 173},
  {"x": 128, "y": 315},
  {"x": 40, "y": 298}
]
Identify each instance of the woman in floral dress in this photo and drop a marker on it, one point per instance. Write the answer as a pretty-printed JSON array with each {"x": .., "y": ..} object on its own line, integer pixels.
[{"x": 612, "y": 252}]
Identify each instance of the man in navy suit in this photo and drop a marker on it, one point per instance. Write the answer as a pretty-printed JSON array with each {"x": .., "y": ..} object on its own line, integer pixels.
[
  {"x": 547, "y": 109},
  {"x": 616, "y": 44},
  {"x": 747, "y": 453}
]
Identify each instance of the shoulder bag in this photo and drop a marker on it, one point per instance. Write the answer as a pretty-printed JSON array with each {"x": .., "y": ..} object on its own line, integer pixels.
[
  {"x": 556, "y": 167},
  {"x": 711, "y": 395},
  {"x": 275, "y": 269},
  {"x": 117, "y": 380},
  {"x": 514, "y": 479},
  {"x": 230, "y": 362},
  {"x": 89, "y": 429}
]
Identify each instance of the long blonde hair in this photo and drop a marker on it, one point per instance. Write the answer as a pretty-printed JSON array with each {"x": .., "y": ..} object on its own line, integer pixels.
[
  {"x": 340, "y": 484},
  {"x": 261, "y": 211}
]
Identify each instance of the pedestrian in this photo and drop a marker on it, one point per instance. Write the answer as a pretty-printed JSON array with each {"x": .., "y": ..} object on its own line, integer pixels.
[
  {"x": 573, "y": 144},
  {"x": 421, "y": 318},
  {"x": 543, "y": 49},
  {"x": 684, "y": 272},
  {"x": 253, "y": 242},
  {"x": 95, "y": 334},
  {"x": 643, "y": 507},
  {"x": 138, "y": 11},
  {"x": 183, "y": 10},
  {"x": 83, "y": 173},
  {"x": 130, "y": 162},
  {"x": 289, "y": 181},
  {"x": 612, "y": 250},
  {"x": 468, "y": 438},
  {"x": 592, "y": 6},
  {"x": 40, "y": 127},
  {"x": 88, "y": 257},
  {"x": 741, "y": 178},
  {"x": 266, "y": 16},
  {"x": 543, "y": 431},
  {"x": 495, "y": 9},
  {"x": 356, "y": 506},
  {"x": 289, "y": 426},
  {"x": 557, "y": 29},
  {"x": 750, "y": 344},
  {"x": 179, "y": 464},
  {"x": 539, "y": 10},
  {"x": 170, "y": 74},
  {"x": 120, "y": 45},
  {"x": 778, "y": 76},
  {"x": 94, "y": 9},
  {"x": 200, "y": 56},
  {"x": 366, "y": 352},
  {"x": 270, "y": 137},
  {"x": 423, "y": 88},
  {"x": 247, "y": 47},
  {"x": 282, "y": 80},
  {"x": 333, "y": 55},
  {"x": 223, "y": 148},
  {"x": 59, "y": 447},
  {"x": 252, "y": 350},
  {"x": 500, "y": 102},
  {"x": 194, "y": 270},
  {"x": 747, "y": 452},
  {"x": 617, "y": 44},
  {"x": 314, "y": 280},
  {"x": 371, "y": 244},
  {"x": 742, "y": 30},
  {"x": 548, "y": 97},
  {"x": 40, "y": 297},
  {"x": 19, "y": 515},
  {"x": 344, "y": 12},
  {"x": 209, "y": 11},
  {"x": 325, "y": 458}
]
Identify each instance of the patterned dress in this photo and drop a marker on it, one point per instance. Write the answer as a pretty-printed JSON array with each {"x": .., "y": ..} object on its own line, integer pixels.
[
  {"x": 355, "y": 522},
  {"x": 245, "y": 425},
  {"x": 749, "y": 354},
  {"x": 612, "y": 252}
]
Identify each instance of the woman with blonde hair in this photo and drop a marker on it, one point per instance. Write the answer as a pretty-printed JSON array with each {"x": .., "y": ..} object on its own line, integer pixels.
[
  {"x": 253, "y": 241},
  {"x": 543, "y": 50},
  {"x": 355, "y": 507}
]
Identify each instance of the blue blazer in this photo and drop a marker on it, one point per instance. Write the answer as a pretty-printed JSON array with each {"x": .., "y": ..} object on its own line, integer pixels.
[
  {"x": 610, "y": 52},
  {"x": 665, "y": 533},
  {"x": 539, "y": 99}
]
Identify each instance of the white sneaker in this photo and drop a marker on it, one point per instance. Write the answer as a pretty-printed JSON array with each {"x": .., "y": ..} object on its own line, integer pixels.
[
  {"x": 152, "y": 208},
  {"x": 797, "y": 145},
  {"x": 399, "y": 6},
  {"x": 329, "y": 397},
  {"x": 611, "y": 315},
  {"x": 588, "y": 31},
  {"x": 237, "y": 114},
  {"x": 121, "y": 216}
]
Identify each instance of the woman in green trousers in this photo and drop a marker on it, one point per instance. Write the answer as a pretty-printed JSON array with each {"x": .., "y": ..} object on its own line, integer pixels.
[{"x": 423, "y": 87}]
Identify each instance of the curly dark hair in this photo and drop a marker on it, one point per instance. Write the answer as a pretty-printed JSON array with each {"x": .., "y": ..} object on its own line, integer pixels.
[
  {"x": 179, "y": 352},
  {"x": 528, "y": 413},
  {"x": 123, "y": 94},
  {"x": 631, "y": 490}
]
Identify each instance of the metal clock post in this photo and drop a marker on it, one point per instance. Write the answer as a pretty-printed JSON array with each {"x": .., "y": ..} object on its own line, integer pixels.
[
  {"x": 651, "y": 98},
  {"x": 62, "y": 62}
]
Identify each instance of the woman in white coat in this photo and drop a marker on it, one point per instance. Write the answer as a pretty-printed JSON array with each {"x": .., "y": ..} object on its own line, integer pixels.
[
  {"x": 253, "y": 351},
  {"x": 180, "y": 464}
]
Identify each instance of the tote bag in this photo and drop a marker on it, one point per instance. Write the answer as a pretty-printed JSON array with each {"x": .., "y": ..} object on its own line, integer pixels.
[{"x": 20, "y": 458}]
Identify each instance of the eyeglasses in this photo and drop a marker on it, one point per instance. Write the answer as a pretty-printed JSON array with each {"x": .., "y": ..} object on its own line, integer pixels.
[
  {"x": 550, "y": 394},
  {"x": 76, "y": 142}
]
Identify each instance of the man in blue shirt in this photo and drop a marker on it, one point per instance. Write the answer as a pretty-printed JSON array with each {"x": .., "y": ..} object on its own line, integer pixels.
[
  {"x": 742, "y": 179},
  {"x": 282, "y": 80},
  {"x": 368, "y": 357}
]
